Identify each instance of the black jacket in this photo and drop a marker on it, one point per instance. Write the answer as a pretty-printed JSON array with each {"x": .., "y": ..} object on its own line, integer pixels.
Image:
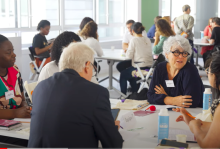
[{"x": 69, "y": 111}]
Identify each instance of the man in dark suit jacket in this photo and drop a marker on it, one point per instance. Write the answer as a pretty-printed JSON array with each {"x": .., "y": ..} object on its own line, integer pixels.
[{"x": 69, "y": 110}]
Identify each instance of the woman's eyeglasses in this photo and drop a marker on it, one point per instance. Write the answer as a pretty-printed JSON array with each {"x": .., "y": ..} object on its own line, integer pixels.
[{"x": 177, "y": 53}]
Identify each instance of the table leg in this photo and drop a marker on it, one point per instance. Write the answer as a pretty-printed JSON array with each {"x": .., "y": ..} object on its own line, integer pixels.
[
  {"x": 197, "y": 56},
  {"x": 111, "y": 63}
]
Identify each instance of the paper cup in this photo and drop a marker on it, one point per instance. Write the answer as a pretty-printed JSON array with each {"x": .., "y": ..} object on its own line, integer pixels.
[{"x": 181, "y": 138}]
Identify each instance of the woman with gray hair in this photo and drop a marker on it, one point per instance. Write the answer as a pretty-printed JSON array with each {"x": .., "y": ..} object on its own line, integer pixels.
[{"x": 176, "y": 81}]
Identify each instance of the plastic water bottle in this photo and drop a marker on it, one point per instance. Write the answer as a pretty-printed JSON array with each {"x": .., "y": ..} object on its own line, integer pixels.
[
  {"x": 202, "y": 34},
  {"x": 163, "y": 125},
  {"x": 207, "y": 99}
]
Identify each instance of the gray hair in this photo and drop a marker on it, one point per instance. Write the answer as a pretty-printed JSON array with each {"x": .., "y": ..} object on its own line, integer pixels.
[
  {"x": 185, "y": 8},
  {"x": 174, "y": 41},
  {"x": 75, "y": 57}
]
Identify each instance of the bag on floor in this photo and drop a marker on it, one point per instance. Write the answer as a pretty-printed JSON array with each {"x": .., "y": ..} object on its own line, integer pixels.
[{"x": 139, "y": 96}]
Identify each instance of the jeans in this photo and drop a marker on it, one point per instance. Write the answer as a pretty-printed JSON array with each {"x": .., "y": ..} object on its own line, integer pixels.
[
  {"x": 126, "y": 75},
  {"x": 123, "y": 65},
  {"x": 191, "y": 59}
]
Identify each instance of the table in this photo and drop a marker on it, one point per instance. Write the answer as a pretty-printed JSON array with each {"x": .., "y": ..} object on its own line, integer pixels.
[
  {"x": 143, "y": 140},
  {"x": 198, "y": 44},
  {"x": 112, "y": 56}
]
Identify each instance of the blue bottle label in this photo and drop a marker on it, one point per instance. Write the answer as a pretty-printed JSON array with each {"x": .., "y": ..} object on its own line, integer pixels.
[
  {"x": 163, "y": 127},
  {"x": 207, "y": 101}
]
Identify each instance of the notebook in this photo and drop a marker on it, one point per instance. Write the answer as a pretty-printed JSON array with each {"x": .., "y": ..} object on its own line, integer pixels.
[
  {"x": 115, "y": 113},
  {"x": 9, "y": 124}
]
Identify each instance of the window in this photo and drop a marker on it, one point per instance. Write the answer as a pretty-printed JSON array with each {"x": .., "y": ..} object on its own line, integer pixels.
[
  {"x": 165, "y": 7},
  {"x": 76, "y": 10},
  {"x": 21, "y": 17}
]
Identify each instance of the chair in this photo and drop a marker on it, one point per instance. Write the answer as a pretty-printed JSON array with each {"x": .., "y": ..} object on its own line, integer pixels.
[
  {"x": 36, "y": 71},
  {"x": 144, "y": 80}
]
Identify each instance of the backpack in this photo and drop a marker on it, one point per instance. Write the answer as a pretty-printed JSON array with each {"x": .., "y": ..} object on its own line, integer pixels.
[{"x": 139, "y": 96}]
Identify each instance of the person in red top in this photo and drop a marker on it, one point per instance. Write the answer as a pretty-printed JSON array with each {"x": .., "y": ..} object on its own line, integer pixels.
[{"x": 207, "y": 35}]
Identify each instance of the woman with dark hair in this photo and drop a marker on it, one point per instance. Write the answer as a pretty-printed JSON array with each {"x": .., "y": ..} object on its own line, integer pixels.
[
  {"x": 63, "y": 40},
  {"x": 84, "y": 22},
  {"x": 89, "y": 36},
  {"x": 139, "y": 50},
  {"x": 164, "y": 31},
  {"x": 207, "y": 133},
  {"x": 40, "y": 42},
  {"x": 10, "y": 83}
]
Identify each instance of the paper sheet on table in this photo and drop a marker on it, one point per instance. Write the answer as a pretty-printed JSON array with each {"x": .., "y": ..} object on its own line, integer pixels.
[
  {"x": 158, "y": 107},
  {"x": 114, "y": 102},
  {"x": 25, "y": 131},
  {"x": 173, "y": 132},
  {"x": 127, "y": 135},
  {"x": 23, "y": 119}
]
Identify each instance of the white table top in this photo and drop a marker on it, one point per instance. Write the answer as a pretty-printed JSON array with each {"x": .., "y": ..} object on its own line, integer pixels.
[
  {"x": 143, "y": 140},
  {"x": 115, "y": 54},
  {"x": 198, "y": 42}
]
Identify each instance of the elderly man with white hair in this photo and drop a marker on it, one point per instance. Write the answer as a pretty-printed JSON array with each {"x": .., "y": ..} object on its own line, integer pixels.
[
  {"x": 69, "y": 111},
  {"x": 176, "y": 81}
]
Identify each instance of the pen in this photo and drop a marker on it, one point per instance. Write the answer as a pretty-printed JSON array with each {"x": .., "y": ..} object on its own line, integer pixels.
[
  {"x": 121, "y": 127},
  {"x": 190, "y": 115}
]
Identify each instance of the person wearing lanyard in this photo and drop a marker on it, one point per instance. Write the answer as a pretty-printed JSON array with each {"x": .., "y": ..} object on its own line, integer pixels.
[
  {"x": 40, "y": 42},
  {"x": 176, "y": 81}
]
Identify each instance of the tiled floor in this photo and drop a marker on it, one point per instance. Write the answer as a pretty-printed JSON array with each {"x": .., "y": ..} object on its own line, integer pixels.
[{"x": 116, "y": 74}]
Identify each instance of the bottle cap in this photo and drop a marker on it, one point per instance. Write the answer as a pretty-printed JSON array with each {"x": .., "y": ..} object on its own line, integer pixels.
[
  {"x": 163, "y": 112},
  {"x": 208, "y": 90}
]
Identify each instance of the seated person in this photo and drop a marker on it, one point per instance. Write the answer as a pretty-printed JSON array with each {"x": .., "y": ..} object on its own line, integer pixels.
[
  {"x": 139, "y": 50},
  {"x": 215, "y": 38},
  {"x": 10, "y": 81},
  {"x": 164, "y": 31},
  {"x": 69, "y": 110},
  {"x": 207, "y": 133},
  {"x": 89, "y": 36},
  {"x": 125, "y": 44},
  {"x": 176, "y": 81},
  {"x": 84, "y": 22},
  {"x": 63, "y": 40},
  {"x": 207, "y": 35},
  {"x": 40, "y": 42},
  {"x": 152, "y": 30}
]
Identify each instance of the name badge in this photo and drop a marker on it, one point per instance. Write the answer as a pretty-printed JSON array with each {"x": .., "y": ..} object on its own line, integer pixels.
[
  {"x": 128, "y": 121},
  {"x": 169, "y": 83},
  {"x": 9, "y": 95}
]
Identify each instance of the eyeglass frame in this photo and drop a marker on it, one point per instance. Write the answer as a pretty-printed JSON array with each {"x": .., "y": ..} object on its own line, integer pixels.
[
  {"x": 179, "y": 53},
  {"x": 207, "y": 71},
  {"x": 94, "y": 67}
]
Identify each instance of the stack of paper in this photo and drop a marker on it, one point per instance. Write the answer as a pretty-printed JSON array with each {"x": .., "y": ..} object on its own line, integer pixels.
[{"x": 131, "y": 104}]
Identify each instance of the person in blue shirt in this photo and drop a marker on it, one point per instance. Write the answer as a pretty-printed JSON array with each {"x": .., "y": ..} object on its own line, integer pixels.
[
  {"x": 176, "y": 81},
  {"x": 152, "y": 30}
]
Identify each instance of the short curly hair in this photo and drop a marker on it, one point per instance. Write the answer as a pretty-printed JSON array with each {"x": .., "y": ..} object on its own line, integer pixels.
[
  {"x": 177, "y": 40},
  {"x": 89, "y": 30},
  {"x": 63, "y": 40},
  {"x": 164, "y": 28}
]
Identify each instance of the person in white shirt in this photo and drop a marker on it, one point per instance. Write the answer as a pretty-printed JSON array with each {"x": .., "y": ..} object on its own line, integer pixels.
[
  {"x": 63, "y": 40},
  {"x": 89, "y": 36},
  {"x": 125, "y": 43},
  {"x": 139, "y": 50}
]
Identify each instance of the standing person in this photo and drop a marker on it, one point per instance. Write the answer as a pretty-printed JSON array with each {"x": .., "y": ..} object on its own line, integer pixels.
[
  {"x": 139, "y": 50},
  {"x": 164, "y": 31},
  {"x": 184, "y": 24},
  {"x": 40, "y": 42},
  {"x": 69, "y": 111},
  {"x": 152, "y": 30},
  {"x": 207, "y": 35},
  {"x": 125, "y": 44}
]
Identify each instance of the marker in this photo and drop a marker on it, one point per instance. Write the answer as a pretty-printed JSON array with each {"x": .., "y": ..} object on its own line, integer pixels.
[
  {"x": 190, "y": 115},
  {"x": 121, "y": 127}
]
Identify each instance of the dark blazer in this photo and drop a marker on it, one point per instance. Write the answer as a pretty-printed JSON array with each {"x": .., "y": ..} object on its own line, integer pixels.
[
  {"x": 69, "y": 111},
  {"x": 186, "y": 82}
]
